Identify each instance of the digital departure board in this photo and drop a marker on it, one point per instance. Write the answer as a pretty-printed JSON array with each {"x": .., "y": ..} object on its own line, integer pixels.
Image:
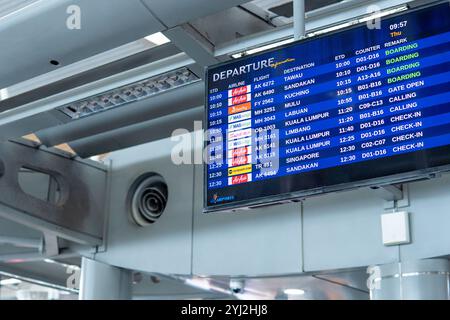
[{"x": 330, "y": 112}]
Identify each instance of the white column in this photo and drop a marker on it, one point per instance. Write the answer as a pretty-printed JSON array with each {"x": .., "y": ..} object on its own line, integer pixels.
[
  {"x": 101, "y": 281},
  {"x": 299, "y": 19}
]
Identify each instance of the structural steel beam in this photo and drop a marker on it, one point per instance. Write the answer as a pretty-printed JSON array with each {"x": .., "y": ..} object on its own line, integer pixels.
[
  {"x": 78, "y": 215},
  {"x": 187, "y": 39}
]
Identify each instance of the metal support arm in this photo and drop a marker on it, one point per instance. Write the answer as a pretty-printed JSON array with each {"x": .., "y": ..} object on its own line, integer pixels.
[
  {"x": 78, "y": 215},
  {"x": 389, "y": 192},
  {"x": 299, "y": 19}
]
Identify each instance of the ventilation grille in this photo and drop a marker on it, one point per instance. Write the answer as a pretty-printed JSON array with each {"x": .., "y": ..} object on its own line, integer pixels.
[{"x": 147, "y": 199}]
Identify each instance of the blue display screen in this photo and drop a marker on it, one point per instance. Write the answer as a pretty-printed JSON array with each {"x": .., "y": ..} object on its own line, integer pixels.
[{"x": 363, "y": 103}]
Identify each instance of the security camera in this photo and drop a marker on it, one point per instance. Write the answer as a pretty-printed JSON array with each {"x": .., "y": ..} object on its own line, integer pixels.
[{"x": 237, "y": 286}]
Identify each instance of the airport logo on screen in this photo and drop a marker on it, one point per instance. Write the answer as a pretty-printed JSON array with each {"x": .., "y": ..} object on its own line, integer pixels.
[{"x": 346, "y": 107}]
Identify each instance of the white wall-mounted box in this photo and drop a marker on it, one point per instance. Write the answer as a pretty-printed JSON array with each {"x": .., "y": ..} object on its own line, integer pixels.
[{"x": 395, "y": 228}]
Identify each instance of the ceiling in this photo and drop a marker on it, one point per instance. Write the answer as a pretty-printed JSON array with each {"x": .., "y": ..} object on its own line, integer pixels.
[
  {"x": 109, "y": 24},
  {"x": 104, "y": 25},
  {"x": 34, "y": 32},
  {"x": 10, "y": 6}
]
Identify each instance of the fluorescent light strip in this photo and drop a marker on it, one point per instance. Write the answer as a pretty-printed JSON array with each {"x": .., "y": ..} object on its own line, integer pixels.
[
  {"x": 4, "y": 94},
  {"x": 333, "y": 28},
  {"x": 130, "y": 93},
  {"x": 294, "y": 292},
  {"x": 373, "y": 16},
  {"x": 383, "y": 13},
  {"x": 9, "y": 282}
]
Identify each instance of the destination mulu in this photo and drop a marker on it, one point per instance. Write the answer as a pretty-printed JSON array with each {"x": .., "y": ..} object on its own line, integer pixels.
[{"x": 292, "y": 104}]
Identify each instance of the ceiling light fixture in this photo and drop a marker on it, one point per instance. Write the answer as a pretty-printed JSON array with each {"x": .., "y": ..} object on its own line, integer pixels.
[
  {"x": 9, "y": 282},
  {"x": 49, "y": 261},
  {"x": 294, "y": 292},
  {"x": 157, "y": 38},
  {"x": 332, "y": 28},
  {"x": 129, "y": 93},
  {"x": 4, "y": 94}
]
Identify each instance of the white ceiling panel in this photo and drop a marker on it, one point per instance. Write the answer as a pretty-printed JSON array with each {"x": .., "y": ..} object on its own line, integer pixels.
[
  {"x": 38, "y": 33},
  {"x": 10, "y": 6}
]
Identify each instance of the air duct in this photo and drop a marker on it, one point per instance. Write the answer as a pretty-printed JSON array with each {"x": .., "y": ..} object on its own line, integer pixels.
[
  {"x": 147, "y": 199},
  {"x": 140, "y": 133},
  {"x": 136, "y": 111}
]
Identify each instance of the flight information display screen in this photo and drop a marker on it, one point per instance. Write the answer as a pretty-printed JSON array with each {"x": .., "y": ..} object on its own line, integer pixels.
[{"x": 356, "y": 105}]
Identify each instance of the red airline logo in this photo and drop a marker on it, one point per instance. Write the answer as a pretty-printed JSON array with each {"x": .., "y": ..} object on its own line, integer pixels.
[
  {"x": 238, "y": 161},
  {"x": 240, "y": 99},
  {"x": 240, "y": 179},
  {"x": 239, "y": 152},
  {"x": 239, "y": 91}
]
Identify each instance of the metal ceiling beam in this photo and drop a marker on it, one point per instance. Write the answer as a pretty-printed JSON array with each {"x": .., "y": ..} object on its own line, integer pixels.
[
  {"x": 315, "y": 20},
  {"x": 101, "y": 72},
  {"x": 137, "y": 134},
  {"x": 43, "y": 277},
  {"x": 41, "y": 114},
  {"x": 189, "y": 40},
  {"x": 51, "y": 245},
  {"x": 20, "y": 257},
  {"x": 163, "y": 104},
  {"x": 21, "y": 242},
  {"x": 79, "y": 213}
]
